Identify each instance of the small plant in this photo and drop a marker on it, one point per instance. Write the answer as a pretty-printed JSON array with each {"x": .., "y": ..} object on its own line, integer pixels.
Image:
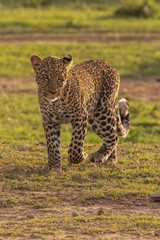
[{"x": 139, "y": 8}]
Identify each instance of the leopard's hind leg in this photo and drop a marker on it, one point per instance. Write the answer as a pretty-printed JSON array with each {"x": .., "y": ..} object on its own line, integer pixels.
[{"x": 104, "y": 124}]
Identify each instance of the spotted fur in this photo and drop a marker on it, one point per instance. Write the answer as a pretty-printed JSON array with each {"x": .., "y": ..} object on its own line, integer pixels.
[{"x": 77, "y": 94}]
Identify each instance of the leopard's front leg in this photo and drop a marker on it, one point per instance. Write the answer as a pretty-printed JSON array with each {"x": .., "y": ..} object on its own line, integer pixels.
[
  {"x": 52, "y": 132},
  {"x": 79, "y": 129}
]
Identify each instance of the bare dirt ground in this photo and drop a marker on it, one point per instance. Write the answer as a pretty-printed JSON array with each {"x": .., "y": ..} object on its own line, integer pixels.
[
  {"x": 147, "y": 87},
  {"x": 79, "y": 39},
  {"x": 85, "y": 36},
  {"x": 134, "y": 207}
]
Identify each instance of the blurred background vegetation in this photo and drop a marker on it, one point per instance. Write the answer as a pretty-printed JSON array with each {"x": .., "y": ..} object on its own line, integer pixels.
[{"x": 137, "y": 8}]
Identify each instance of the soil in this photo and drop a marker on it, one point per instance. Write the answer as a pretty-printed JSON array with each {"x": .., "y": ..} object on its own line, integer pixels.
[
  {"x": 86, "y": 36},
  {"x": 147, "y": 87},
  {"x": 79, "y": 39},
  {"x": 71, "y": 205}
]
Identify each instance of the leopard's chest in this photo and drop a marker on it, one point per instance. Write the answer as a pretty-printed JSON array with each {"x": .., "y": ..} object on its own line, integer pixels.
[{"x": 58, "y": 111}]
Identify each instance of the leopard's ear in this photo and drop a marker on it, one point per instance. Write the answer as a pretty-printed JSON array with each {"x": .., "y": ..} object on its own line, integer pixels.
[
  {"x": 67, "y": 59},
  {"x": 36, "y": 62}
]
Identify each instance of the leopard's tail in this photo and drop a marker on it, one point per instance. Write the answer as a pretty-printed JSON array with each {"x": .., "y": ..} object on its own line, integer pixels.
[{"x": 123, "y": 121}]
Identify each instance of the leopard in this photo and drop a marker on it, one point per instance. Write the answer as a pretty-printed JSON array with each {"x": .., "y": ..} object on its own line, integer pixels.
[{"x": 78, "y": 94}]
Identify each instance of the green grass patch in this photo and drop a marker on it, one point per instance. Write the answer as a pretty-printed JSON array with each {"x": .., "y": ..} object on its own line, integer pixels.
[
  {"x": 145, "y": 124},
  {"x": 74, "y": 14},
  {"x": 60, "y": 3},
  {"x": 136, "y": 174},
  {"x": 129, "y": 58},
  {"x": 20, "y": 120}
]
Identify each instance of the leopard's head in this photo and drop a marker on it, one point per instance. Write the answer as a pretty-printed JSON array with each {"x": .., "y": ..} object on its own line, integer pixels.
[{"x": 51, "y": 74}]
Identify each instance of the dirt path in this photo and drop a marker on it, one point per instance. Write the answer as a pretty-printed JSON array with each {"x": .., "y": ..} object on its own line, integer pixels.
[
  {"x": 147, "y": 88},
  {"x": 80, "y": 35},
  {"x": 82, "y": 39}
]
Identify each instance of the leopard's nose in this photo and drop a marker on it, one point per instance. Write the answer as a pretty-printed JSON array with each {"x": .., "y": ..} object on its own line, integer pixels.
[{"x": 52, "y": 92}]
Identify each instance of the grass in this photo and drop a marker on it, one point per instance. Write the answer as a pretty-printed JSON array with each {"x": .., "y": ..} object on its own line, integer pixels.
[
  {"x": 95, "y": 225},
  {"x": 24, "y": 183},
  {"x": 60, "y": 3},
  {"x": 129, "y": 58},
  {"x": 75, "y": 15}
]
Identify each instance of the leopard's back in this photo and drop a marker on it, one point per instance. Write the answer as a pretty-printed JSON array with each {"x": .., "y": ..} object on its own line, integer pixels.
[{"x": 87, "y": 82}]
